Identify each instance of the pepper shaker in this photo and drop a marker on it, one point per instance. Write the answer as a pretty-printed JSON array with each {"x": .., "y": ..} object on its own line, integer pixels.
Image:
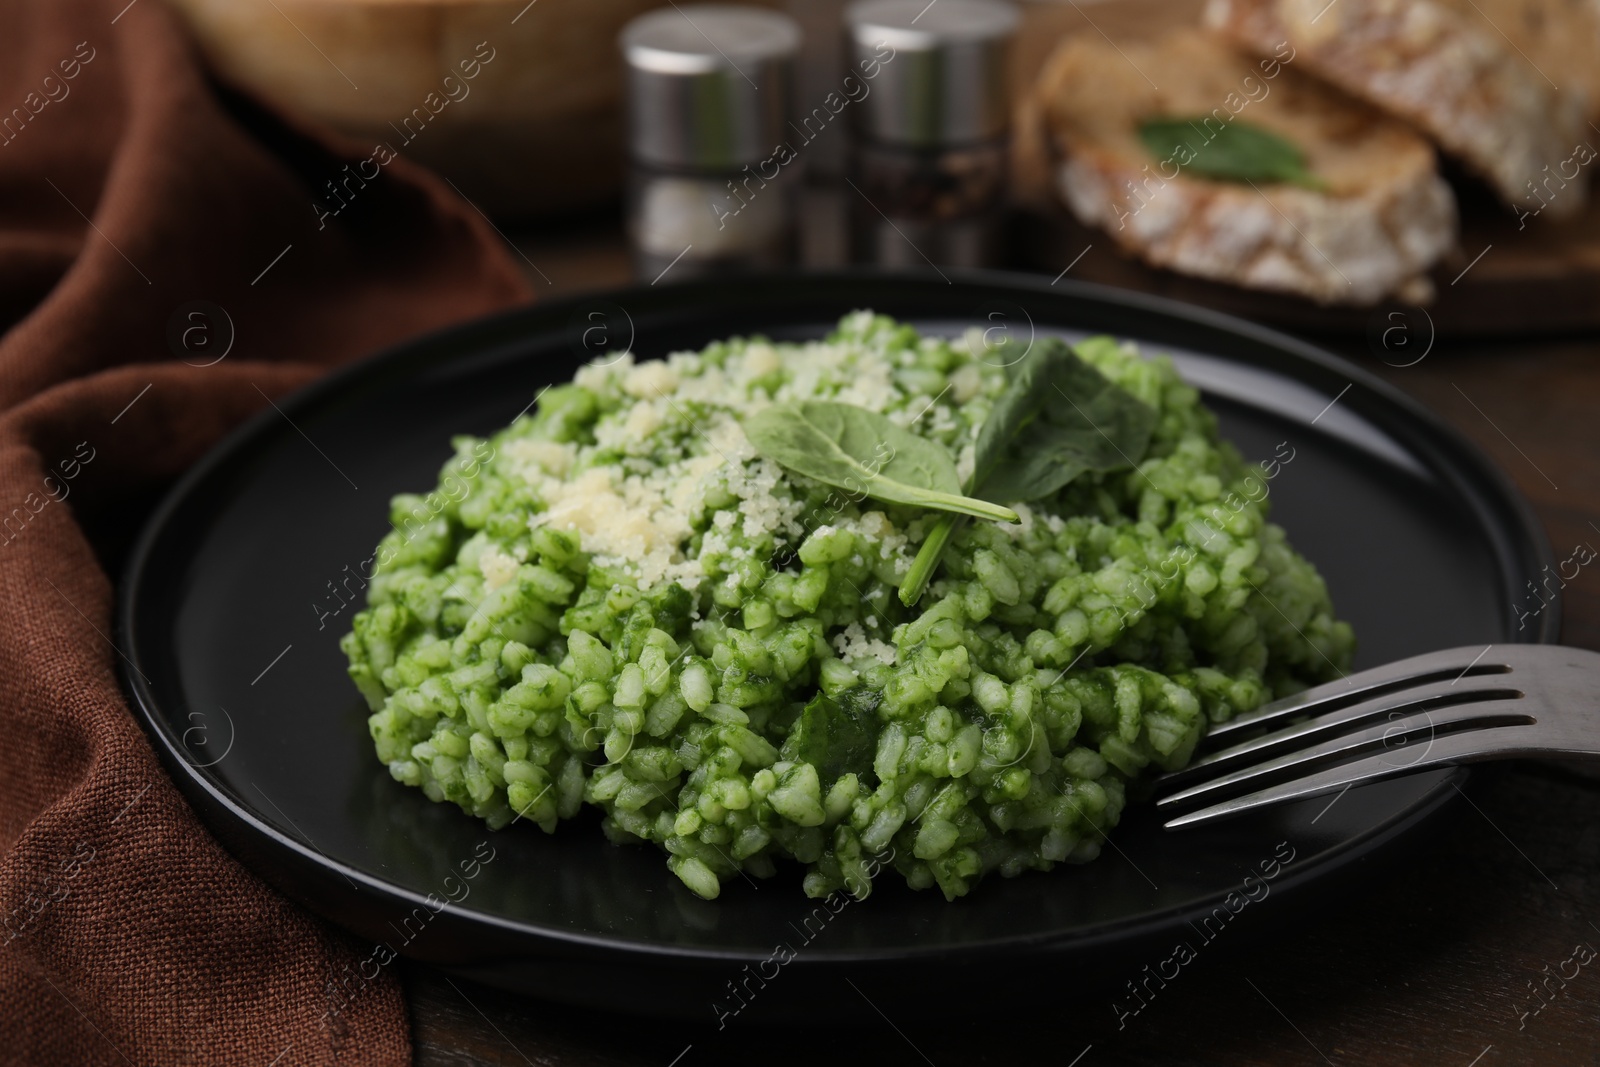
[
  {"x": 708, "y": 96},
  {"x": 928, "y": 158}
]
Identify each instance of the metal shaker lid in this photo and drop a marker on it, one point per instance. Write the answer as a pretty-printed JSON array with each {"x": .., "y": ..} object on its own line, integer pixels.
[
  {"x": 942, "y": 69},
  {"x": 708, "y": 84}
]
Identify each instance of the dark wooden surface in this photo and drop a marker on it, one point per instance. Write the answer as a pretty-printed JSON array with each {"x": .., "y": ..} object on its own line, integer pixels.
[{"x": 1429, "y": 959}]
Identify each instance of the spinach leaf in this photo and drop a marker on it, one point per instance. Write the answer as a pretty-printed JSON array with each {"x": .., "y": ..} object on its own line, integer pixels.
[
  {"x": 1057, "y": 419},
  {"x": 926, "y": 561},
  {"x": 865, "y": 453},
  {"x": 1239, "y": 151},
  {"x": 1028, "y": 388},
  {"x": 1083, "y": 423},
  {"x": 835, "y": 735}
]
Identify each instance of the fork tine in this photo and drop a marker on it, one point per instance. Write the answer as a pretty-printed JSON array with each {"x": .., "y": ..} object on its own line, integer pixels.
[
  {"x": 1419, "y": 724},
  {"x": 1341, "y": 719},
  {"x": 1448, "y": 666},
  {"x": 1466, "y": 747}
]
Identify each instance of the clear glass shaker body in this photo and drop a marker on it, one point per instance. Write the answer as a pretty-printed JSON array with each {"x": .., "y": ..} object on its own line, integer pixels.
[
  {"x": 710, "y": 224},
  {"x": 922, "y": 205}
]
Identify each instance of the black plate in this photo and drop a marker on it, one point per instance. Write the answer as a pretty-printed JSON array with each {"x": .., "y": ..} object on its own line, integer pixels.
[{"x": 238, "y": 674}]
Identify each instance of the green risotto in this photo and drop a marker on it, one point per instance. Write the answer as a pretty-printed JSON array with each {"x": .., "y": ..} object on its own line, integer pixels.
[{"x": 619, "y": 601}]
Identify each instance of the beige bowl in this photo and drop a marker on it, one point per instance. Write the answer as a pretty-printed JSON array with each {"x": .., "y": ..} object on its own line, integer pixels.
[{"x": 536, "y": 129}]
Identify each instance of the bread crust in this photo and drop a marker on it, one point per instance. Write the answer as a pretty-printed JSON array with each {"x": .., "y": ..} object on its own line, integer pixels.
[
  {"x": 1383, "y": 217},
  {"x": 1447, "y": 71}
]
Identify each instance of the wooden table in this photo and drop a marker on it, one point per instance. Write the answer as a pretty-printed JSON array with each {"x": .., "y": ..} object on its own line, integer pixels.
[{"x": 1429, "y": 961}]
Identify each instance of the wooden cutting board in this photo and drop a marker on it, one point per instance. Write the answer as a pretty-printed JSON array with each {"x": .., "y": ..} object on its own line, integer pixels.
[{"x": 1542, "y": 278}]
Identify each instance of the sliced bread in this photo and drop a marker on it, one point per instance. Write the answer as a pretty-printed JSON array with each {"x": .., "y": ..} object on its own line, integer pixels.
[
  {"x": 1380, "y": 216},
  {"x": 1503, "y": 86}
]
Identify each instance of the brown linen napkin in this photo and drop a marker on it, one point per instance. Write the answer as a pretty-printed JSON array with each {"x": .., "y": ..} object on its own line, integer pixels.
[{"x": 129, "y": 190}]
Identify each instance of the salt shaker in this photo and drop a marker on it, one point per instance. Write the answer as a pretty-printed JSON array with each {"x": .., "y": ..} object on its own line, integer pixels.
[
  {"x": 930, "y": 142},
  {"x": 708, "y": 96}
]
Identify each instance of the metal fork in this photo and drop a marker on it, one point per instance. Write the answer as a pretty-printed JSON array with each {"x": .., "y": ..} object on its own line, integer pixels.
[{"x": 1463, "y": 705}]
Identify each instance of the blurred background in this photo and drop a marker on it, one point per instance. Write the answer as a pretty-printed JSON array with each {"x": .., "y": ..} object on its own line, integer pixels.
[{"x": 605, "y": 138}]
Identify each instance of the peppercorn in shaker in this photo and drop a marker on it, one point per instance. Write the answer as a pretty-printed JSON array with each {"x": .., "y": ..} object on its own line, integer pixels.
[
  {"x": 708, "y": 96},
  {"x": 929, "y": 148}
]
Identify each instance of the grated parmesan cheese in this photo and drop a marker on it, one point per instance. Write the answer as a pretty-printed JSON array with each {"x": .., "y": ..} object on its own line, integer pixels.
[
  {"x": 965, "y": 381},
  {"x": 676, "y": 424},
  {"x": 650, "y": 379},
  {"x": 497, "y": 566},
  {"x": 853, "y": 644},
  {"x": 635, "y": 530},
  {"x": 543, "y": 456}
]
